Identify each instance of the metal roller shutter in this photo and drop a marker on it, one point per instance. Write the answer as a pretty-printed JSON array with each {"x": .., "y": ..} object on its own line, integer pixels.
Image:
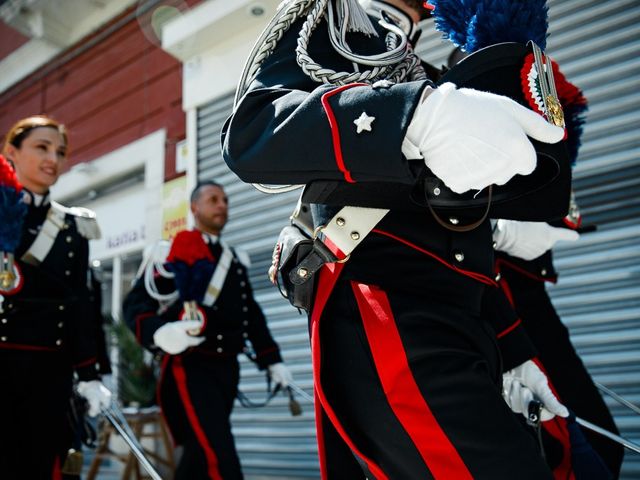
[
  {"x": 271, "y": 443},
  {"x": 598, "y": 296}
]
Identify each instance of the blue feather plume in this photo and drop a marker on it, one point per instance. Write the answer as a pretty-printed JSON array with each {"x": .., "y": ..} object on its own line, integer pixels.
[
  {"x": 12, "y": 212},
  {"x": 475, "y": 24}
]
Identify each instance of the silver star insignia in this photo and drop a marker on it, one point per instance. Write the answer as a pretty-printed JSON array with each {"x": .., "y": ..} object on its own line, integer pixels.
[
  {"x": 382, "y": 84},
  {"x": 363, "y": 122}
]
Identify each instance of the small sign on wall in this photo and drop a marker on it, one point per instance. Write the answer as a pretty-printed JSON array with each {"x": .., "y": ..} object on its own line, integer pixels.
[
  {"x": 174, "y": 207},
  {"x": 182, "y": 156}
]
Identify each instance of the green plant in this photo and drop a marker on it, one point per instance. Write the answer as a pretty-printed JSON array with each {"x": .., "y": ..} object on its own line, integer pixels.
[{"x": 136, "y": 375}]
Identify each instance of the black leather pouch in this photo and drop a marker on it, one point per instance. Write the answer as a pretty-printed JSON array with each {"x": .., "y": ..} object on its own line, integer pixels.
[{"x": 296, "y": 259}]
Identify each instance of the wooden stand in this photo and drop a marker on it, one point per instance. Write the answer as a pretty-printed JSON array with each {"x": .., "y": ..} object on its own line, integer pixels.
[{"x": 138, "y": 419}]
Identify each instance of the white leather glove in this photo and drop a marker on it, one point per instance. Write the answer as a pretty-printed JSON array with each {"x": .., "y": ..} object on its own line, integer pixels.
[
  {"x": 529, "y": 240},
  {"x": 525, "y": 383},
  {"x": 96, "y": 394},
  {"x": 472, "y": 139},
  {"x": 173, "y": 338},
  {"x": 280, "y": 374}
]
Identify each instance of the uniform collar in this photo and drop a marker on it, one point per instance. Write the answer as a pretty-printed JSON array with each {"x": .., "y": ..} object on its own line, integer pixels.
[
  {"x": 399, "y": 17},
  {"x": 36, "y": 199},
  {"x": 210, "y": 238}
]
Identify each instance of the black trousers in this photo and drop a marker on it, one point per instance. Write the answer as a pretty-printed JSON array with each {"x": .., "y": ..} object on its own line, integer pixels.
[
  {"x": 408, "y": 385},
  {"x": 35, "y": 433},
  {"x": 564, "y": 368},
  {"x": 196, "y": 396}
]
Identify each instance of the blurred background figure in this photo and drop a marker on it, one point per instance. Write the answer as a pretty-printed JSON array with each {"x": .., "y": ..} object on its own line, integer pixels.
[{"x": 201, "y": 335}]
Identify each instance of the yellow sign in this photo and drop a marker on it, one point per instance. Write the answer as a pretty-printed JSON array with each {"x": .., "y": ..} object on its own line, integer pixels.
[{"x": 174, "y": 207}]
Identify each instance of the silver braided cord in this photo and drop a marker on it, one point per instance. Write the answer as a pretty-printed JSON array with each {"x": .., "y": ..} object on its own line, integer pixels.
[
  {"x": 399, "y": 62},
  {"x": 288, "y": 12}
]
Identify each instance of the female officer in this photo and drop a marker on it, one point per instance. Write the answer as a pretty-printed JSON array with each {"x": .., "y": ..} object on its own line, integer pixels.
[{"x": 46, "y": 332}]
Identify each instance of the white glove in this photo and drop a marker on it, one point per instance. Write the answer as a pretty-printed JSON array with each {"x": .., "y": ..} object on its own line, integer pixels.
[
  {"x": 173, "y": 338},
  {"x": 525, "y": 383},
  {"x": 96, "y": 394},
  {"x": 529, "y": 240},
  {"x": 472, "y": 139},
  {"x": 280, "y": 374}
]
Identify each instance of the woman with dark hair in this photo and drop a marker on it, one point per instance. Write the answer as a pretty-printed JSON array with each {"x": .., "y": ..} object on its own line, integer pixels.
[{"x": 46, "y": 332}]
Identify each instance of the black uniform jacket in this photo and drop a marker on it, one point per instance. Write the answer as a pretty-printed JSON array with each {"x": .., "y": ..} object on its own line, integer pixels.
[
  {"x": 233, "y": 319},
  {"x": 52, "y": 312},
  {"x": 288, "y": 129}
]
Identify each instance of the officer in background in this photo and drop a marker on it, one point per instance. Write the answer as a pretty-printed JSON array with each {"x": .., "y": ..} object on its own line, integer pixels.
[
  {"x": 524, "y": 261},
  {"x": 46, "y": 330},
  {"x": 200, "y": 369}
]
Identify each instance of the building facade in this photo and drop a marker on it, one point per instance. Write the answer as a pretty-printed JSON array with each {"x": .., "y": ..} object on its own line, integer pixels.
[{"x": 97, "y": 67}]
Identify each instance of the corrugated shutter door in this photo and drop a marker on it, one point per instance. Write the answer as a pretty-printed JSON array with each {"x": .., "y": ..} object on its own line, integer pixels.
[
  {"x": 597, "y": 45},
  {"x": 271, "y": 443},
  {"x": 598, "y": 296}
]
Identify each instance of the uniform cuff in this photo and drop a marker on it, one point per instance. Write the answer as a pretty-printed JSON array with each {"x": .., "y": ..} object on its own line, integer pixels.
[
  {"x": 268, "y": 357},
  {"x": 515, "y": 346}
]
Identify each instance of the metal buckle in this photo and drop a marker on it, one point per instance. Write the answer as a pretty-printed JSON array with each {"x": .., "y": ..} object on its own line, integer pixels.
[{"x": 316, "y": 233}]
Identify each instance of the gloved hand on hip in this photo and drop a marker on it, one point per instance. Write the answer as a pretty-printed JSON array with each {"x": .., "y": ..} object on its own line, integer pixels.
[
  {"x": 472, "y": 139},
  {"x": 96, "y": 394},
  {"x": 280, "y": 374},
  {"x": 529, "y": 240},
  {"x": 173, "y": 337},
  {"x": 525, "y": 383}
]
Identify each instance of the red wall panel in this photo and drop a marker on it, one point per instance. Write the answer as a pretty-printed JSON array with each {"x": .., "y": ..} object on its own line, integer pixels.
[
  {"x": 10, "y": 39},
  {"x": 110, "y": 94}
]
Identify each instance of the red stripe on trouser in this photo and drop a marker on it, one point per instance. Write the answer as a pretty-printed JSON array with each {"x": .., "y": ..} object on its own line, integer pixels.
[
  {"x": 320, "y": 436},
  {"x": 210, "y": 455},
  {"x": 400, "y": 386},
  {"x": 327, "y": 278},
  {"x": 56, "y": 474},
  {"x": 557, "y": 428},
  {"x": 163, "y": 371}
]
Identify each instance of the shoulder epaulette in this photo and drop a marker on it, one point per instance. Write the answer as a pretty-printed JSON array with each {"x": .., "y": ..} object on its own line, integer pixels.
[{"x": 86, "y": 221}]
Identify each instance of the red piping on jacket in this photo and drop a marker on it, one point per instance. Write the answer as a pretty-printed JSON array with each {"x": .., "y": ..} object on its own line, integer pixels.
[
  {"x": 509, "y": 329},
  {"x": 85, "y": 363},
  {"x": 18, "y": 346},
  {"x": 335, "y": 130},
  {"x": 476, "y": 276},
  {"x": 139, "y": 319},
  {"x": 500, "y": 262}
]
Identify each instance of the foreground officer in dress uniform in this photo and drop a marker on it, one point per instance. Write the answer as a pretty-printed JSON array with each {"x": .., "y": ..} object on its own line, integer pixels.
[
  {"x": 200, "y": 372},
  {"x": 407, "y": 374},
  {"x": 46, "y": 326}
]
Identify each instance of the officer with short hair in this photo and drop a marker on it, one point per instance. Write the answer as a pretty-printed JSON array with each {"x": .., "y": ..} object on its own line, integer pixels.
[{"x": 200, "y": 369}]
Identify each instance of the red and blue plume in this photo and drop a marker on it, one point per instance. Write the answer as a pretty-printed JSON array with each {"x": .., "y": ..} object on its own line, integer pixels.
[
  {"x": 475, "y": 24},
  {"x": 12, "y": 208},
  {"x": 192, "y": 263}
]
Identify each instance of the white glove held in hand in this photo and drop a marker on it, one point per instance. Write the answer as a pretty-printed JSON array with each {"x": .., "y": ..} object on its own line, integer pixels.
[
  {"x": 173, "y": 338},
  {"x": 525, "y": 383},
  {"x": 529, "y": 240},
  {"x": 96, "y": 394},
  {"x": 472, "y": 139},
  {"x": 280, "y": 374}
]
